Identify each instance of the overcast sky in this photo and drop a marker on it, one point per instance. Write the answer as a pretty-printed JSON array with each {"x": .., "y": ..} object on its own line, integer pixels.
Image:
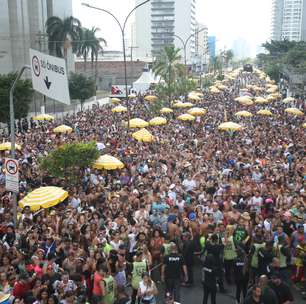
[{"x": 228, "y": 20}]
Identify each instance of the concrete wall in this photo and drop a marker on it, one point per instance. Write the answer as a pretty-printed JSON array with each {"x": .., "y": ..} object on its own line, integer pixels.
[{"x": 112, "y": 72}]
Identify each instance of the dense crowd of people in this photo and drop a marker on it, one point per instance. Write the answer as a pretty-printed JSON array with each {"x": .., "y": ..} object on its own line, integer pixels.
[{"x": 232, "y": 202}]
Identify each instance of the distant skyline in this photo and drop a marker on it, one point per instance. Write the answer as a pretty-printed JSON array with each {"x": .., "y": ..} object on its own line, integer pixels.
[{"x": 228, "y": 20}]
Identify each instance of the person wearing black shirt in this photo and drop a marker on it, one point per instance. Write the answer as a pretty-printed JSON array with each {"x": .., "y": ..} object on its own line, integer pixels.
[
  {"x": 241, "y": 274},
  {"x": 216, "y": 249},
  {"x": 209, "y": 279},
  {"x": 265, "y": 257},
  {"x": 188, "y": 254},
  {"x": 171, "y": 271},
  {"x": 281, "y": 289}
]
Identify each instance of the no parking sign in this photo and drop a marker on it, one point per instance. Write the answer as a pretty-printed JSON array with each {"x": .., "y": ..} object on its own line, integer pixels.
[{"x": 11, "y": 175}]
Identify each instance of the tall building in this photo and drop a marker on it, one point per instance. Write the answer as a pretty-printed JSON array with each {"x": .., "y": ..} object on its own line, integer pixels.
[
  {"x": 22, "y": 26},
  {"x": 201, "y": 56},
  {"x": 288, "y": 20},
  {"x": 212, "y": 46},
  {"x": 241, "y": 49},
  {"x": 160, "y": 21}
]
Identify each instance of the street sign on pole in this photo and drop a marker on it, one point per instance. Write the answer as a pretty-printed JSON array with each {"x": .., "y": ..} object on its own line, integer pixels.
[
  {"x": 49, "y": 76},
  {"x": 11, "y": 175}
]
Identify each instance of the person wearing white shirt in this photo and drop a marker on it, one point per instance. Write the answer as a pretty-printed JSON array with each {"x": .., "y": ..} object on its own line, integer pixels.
[{"x": 189, "y": 184}]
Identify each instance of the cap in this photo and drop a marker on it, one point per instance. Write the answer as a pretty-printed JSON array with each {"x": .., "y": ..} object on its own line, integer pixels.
[{"x": 172, "y": 186}]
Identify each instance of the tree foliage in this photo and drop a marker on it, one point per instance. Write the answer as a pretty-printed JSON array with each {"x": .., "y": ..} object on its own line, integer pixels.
[
  {"x": 62, "y": 33},
  {"x": 22, "y": 97},
  {"x": 67, "y": 161},
  {"x": 283, "y": 54},
  {"x": 168, "y": 67},
  {"x": 81, "y": 87},
  {"x": 90, "y": 45}
]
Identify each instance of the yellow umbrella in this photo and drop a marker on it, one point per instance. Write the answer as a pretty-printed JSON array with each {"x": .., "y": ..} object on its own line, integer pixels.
[
  {"x": 115, "y": 100},
  {"x": 247, "y": 101},
  {"x": 43, "y": 117},
  {"x": 158, "y": 121},
  {"x": 6, "y": 146},
  {"x": 264, "y": 112},
  {"x": 288, "y": 99},
  {"x": 182, "y": 104},
  {"x": 44, "y": 197},
  {"x": 138, "y": 123},
  {"x": 199, "y": 94},
  {"x": 186, "y": 117},
  {"x": 187, "y": 104},
  {"x": 166, "y": 110},
  {"x": 261, "y": 100},
  {"x": 194, "y": 97},
  {"x": 62, "y": 129},
  {"x": 222, "y": 87},
  {"x": 294, "y": 111},
  {"x": 304, "y": 125},
  {"x": 244, "y": 114},
  {"x": 271, "y": 97},
  {"x": 108, "y": 162},
  {"x": 132, "y": 96},
  {"x": 229, "y": 126},
  {"x": 151, "y": 98},
  {"x": 143, "y": 135},
  {"x": 119, "y": 109},
  {"x": 272, "y": 90},
  {"x": 197, "y": 111},
  {"x": 214, "y": 90}
]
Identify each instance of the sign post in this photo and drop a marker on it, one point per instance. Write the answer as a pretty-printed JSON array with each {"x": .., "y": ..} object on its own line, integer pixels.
[
  {"x": 49, "y": 76},
  {"x": 11, "y": 175}
]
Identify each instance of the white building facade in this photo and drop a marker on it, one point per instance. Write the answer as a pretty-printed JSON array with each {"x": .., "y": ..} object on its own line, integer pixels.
[
  {"x": 160, "y": 21},
  {"x": 289, "y": 20},
  {"x": 22, "y": 26}
]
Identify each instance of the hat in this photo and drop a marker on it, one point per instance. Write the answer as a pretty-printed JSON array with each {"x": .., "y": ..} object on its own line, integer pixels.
[
  {"x": 192, "y": 216},
  {"x": 171, "y": 218},
  {"x": 172, "y": 186}
]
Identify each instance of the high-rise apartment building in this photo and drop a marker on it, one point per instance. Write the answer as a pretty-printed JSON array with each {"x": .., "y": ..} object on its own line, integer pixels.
[
  {"x": 22, "y": 26},
  {"x": 212, "y": 46},
  {"x": 160, "y": 21},
  {"x": 289, "y": 20}
]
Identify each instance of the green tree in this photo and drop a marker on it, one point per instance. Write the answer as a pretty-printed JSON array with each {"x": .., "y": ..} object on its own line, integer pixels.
[
  {"x": 90, "y": 46},
  {"x": 81, "y": 87},
  {"x": 22, "y": 97},
  {"x": 67, "y": 161},
  {"x": 228, "y": 57},
  {"x": 167, "y": 66},
  {"x": 62, "y": 33}
]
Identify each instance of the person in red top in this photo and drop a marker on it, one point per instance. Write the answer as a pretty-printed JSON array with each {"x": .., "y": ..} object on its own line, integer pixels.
[
  {"x": 22, "y": 286},
  {"x": 98, "y": 286}
]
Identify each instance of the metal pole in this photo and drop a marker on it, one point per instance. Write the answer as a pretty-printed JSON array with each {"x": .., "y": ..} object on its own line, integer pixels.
[
  {"x": 125, "y": 80},
  {"x": 13, "y": 139},
  {"x": 122, "y": 28}
]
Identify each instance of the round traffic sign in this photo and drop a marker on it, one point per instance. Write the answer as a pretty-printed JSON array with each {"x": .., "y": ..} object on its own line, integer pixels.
[
  {"x": 36, "y": 65},
  {"x": 11, "y": 166}
]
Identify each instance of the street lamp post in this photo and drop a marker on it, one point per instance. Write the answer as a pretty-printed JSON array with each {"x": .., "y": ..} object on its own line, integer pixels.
[
  {"x": 185, "y": 43},
  {"x": 12, "y": 129},
  {"x": 122, "y": 29}
]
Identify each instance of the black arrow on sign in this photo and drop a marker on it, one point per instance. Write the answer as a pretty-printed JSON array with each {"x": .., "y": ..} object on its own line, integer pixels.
[{"x": 47, "y": 82}]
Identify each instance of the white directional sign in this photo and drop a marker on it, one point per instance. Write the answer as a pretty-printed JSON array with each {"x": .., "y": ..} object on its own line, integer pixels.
[
  {"x": 11, "y": 175},
  {"x": 49, "y": 76}
]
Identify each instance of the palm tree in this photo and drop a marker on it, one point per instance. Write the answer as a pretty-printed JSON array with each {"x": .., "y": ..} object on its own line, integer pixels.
[
  {"x": 90, "y": 45},
  {"x": 167, "y": 66},
  {"x": 62, "y": 33}
]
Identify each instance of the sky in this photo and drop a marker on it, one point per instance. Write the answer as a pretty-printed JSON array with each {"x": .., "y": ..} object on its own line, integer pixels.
[{"x": 228, "y": 20}]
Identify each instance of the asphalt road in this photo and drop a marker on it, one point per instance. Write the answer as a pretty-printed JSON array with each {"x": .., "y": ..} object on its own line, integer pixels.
[{"x": 194, "y": 294}]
